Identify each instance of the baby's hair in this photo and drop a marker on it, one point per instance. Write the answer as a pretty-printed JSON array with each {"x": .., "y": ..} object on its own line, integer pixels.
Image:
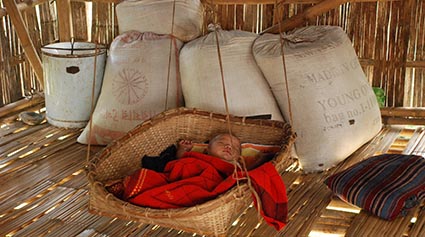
[{"x": 220, "y": 135}]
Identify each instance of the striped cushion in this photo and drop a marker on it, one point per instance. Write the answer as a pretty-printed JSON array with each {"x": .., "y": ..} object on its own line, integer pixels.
[{"x": 386, "y": 185}]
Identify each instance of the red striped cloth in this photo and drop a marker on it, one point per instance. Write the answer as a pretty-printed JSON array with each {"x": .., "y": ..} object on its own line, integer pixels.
[
  {"x": 197, "y": 178},
  {"x": 386, "y": 185}
]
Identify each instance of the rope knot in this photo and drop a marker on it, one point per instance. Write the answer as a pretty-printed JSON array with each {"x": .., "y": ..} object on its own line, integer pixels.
[{"x": 214, "y": 27}]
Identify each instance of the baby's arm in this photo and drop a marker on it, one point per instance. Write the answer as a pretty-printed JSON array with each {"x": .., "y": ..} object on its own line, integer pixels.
[{"x": 183, "y": 146}]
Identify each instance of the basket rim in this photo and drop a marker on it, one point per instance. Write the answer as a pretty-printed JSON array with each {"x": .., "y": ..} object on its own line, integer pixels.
[
  {"x": 176, "y": 212},
  {"x": 186, "y": 112}
]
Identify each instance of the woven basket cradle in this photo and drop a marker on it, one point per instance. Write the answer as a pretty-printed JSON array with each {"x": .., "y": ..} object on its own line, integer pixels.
[{"x": 122, "y": 157}]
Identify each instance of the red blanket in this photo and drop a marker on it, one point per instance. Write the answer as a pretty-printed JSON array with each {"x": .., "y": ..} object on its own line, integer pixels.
[{"x": 197, "y": 178}]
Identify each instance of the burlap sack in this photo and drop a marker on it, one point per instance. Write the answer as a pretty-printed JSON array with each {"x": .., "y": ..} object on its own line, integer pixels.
[
  {"x": 248, "y": 93},
  {"x": 138, "y": 83},
  {"x": 334, "y": 109},
  {"x": 157, "y": 16}
]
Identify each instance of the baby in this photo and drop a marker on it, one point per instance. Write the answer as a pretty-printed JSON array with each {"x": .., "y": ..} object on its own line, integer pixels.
[
  {"x": 224, "y": 146},
  {"x": 227, "y": 147}
]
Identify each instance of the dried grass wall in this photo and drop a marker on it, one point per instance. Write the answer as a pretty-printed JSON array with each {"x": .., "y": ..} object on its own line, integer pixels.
[{"x": 389, "y": 36}]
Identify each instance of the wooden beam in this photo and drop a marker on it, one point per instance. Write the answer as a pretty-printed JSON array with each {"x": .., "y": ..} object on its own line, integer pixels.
[
  {"x": 309, "y": 14},
  {"x": 403, "y": 112},
  {"x": 416, "y": 64},
  {"x": 22, "y": 6},
  {"x": 371, "y": 62},
  {"x": 232, "y": 2},
  {"x": 26, "y": 43},
  {"x": 64, "y": 20},
  {"x": 20, "y": 105},
  {"x": 403, "y": 121},
  {"x": 100, "y": 1},
  {"x": 403, "y": 115}
]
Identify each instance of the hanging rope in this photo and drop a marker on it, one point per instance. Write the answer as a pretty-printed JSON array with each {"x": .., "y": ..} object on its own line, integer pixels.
[
  {"x": 92, "y": 94},
  {"x": 226, "y": 104},
  {"x": 280, "y": 17},
  {"x": 239, "y": 164},
  {"x": 220, "y": 61},
  {"x": 172, "y": 42},
  {"x": 223, "y": 84},
  {"x": 92, "y": 100}
]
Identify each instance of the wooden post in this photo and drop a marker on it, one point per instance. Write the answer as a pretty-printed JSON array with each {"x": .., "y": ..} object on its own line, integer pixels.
[
  {"x": 27, "y": 44},
  {"x": 309, "y": 14},
  {"x": 405, "y": 21},
  {"x": 64, "y": 20}
]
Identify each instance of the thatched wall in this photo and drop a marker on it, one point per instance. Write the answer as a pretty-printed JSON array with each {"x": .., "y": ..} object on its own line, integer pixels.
[{"x": 388, "y": 35}]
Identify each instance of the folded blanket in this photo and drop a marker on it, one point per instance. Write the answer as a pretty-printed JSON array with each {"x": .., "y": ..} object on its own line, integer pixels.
[{"x": 196, "y": 178}]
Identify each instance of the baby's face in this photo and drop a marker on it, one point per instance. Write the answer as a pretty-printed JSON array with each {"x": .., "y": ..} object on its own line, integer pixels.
[{"x": 226, "y": 147}]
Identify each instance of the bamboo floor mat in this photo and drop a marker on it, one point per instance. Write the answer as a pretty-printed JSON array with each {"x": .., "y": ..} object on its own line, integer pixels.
[{"x": 44, "y": 191}]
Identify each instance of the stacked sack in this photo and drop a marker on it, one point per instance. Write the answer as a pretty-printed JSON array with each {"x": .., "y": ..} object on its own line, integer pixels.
[
  {"x": 247, "y": 91},
  {"x": 334, "y": 109},
  {"x": 141, "y": 77},
  {"x": 157, "y": 16}
]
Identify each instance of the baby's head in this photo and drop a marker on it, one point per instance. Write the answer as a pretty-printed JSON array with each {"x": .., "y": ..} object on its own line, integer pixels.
[{"x": 225, "y": 146}]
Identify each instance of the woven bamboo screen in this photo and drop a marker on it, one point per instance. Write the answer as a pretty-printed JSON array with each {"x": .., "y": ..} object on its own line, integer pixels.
[{"x": 388, "y": 36}]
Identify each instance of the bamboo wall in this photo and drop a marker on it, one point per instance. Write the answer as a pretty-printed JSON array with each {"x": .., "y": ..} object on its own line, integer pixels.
[{"x": 388, "y": 35}]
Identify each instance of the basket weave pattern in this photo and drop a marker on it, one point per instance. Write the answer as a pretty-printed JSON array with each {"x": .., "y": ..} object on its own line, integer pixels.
[{"x": 122, "y": 157}]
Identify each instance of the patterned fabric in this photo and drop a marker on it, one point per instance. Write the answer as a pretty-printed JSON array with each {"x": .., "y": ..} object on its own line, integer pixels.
[
  {"x": 196, "y": 178},
  {"x": 386, "y": 185}
]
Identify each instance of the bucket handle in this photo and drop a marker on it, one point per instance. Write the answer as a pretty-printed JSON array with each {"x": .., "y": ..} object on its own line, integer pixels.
[{"x": 72, "y": 45}]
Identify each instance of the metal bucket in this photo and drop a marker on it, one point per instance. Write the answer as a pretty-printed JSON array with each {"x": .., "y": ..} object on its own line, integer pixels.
[{"x": 68, "y": 81}]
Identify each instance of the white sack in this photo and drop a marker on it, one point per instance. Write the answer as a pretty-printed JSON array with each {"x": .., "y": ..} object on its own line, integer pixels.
[
  {"x": 135, "y": 85},
  {"x": 157, "y": 16},
  {"x": 334, "y": 109},
  {"x": 248, "y": 93}
]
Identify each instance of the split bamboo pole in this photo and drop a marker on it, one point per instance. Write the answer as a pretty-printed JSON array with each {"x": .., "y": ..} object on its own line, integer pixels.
[
  {"x": 408, "y": 7},
  {"x": 27, "y": 44},
  {"x": 307, "y": 15},
  {"x": 65, "y": 20},
  {"x": 22, "y": 6}
]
